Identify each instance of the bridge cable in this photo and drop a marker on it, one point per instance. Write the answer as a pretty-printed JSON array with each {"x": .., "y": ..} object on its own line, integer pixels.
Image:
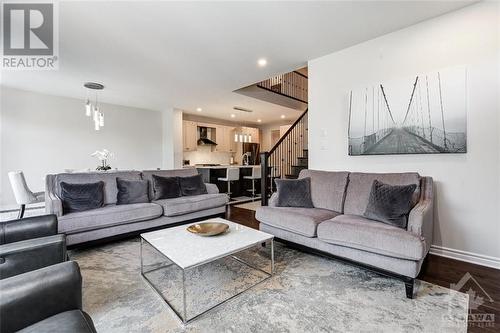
[
  {"x": 387, "y": 103},
  {"x": 411, "y": 99}
]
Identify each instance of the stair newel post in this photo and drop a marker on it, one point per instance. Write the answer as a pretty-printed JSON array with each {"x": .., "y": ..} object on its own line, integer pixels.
[{"x": 264, "y": 177}]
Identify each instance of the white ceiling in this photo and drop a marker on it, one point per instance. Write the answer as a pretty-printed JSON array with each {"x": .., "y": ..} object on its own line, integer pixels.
[{"x": 156, "y": 55}]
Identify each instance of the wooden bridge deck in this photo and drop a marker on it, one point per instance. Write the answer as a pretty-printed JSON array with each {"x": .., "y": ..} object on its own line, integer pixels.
[{"x": 400, "y": 141}]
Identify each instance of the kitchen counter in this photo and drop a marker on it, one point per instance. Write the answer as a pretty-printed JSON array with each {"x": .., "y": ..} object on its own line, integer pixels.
[{"x": 222, "y": 166}]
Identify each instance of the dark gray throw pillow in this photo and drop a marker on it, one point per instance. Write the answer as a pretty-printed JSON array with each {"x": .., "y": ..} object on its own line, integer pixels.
[
  {"x": 192, "y": 185},
  {"x": 166, "y": 187},
  {"x": 81, "y": 197},
  {"x": 390, "y": 203},
  {"x": 131, "y": 191},
  {"x": 294, "y": 192}
]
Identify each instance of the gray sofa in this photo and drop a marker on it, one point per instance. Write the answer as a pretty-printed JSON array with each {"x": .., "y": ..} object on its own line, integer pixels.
[
  {"x": 112, "y": 219},
  {"x": 336, "y": 226}
]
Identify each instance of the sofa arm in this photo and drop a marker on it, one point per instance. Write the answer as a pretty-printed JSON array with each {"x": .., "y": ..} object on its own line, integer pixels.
[
  {"x": 27, "y": 228},
  {"x": 53, "y": 205},
  {"x": 212, "y": 188},
  {"x": 421, "y": 218},
  {"x": 31, "y": 297},
  {"x": 29, "y": 255},
  {"x": 273, "y": 200}
]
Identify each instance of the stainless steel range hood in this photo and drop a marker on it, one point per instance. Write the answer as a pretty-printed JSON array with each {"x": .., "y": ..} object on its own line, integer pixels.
[{"x": 205, "y": 136}]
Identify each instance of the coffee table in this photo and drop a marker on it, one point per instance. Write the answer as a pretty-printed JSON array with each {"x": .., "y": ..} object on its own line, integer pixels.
[{"x": 169, "y": 254}]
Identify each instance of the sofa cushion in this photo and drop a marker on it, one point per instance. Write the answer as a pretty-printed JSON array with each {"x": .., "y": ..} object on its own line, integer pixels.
[
  {"x": 74, "y": 321},
  {"x": 108, "y": 216},
  {"x": 361, "y": 233},
  {"x": 303, "y": 221},
  {"x": 192, "y": 185},
  {"x": 294, "y": 192},
  {"x": 148, "y": 175},
  {"x": 189, "y": 204},
  {"x": 132, "y": 191},
  {"x": 360, "y": 185},
  {"x": 390, "y": 203},
  {"x": 108, "y": 177},
  {"x": 327, "y": 188},
  {"x": 166, "y": 187},
  {"x": 81, "y": 197}
]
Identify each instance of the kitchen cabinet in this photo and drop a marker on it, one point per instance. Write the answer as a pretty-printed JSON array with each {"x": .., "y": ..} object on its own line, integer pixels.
[
  {"x": 223, "y": 136},
  {"x": 190, "y": 135}
]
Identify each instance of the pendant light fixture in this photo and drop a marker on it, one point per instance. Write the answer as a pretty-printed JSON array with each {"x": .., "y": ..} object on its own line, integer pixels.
[{"x": 92, "y": 109}]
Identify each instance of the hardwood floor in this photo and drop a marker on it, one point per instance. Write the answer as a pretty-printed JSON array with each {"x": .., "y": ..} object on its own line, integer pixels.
[{"x": 484, "y": 281}]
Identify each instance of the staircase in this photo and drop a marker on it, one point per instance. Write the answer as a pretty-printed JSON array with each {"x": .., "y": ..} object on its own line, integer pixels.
[{"x": 286, "y": 159}]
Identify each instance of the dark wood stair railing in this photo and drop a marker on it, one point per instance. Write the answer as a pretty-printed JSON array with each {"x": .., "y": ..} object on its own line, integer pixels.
[{"x": 286, "y": 157}]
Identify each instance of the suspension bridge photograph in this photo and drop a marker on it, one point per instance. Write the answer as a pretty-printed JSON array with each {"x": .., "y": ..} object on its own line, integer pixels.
[{"x": 423, "y": 114}]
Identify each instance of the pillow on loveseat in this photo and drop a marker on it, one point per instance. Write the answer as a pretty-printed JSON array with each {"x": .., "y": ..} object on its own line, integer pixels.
[
  {"x": 81, "y": 197},
  {"x": 390, "y": 204},
  {"x": 192, "y": 185},
  {"x": 294, "y": 193},
  {"x": 166, "y": 187},
  {"x": 131, "y": 191}
]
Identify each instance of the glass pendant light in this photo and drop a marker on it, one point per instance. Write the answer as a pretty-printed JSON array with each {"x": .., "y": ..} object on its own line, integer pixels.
[
  {"x": 88, "y": 108},
  {"x": 235, "y": 137},
  {"x": 249, "y": 138},
  {"x": 101, "y": 119}
]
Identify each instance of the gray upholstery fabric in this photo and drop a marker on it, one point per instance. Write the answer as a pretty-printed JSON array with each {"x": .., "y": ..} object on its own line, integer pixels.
[
  {"x": 303, "y": 221},
  {"x": 404, "y": 267},
  {"x": 148, "y": 175},
  {"x": 108, "y": 177},
  {"x": 327, "y": 188},
  {"x": 212, "y": 188},
  {"x": 364, "y": 234},
  {"x": 421, "y": 218},
  {"x": 188, "y": 204},
  {"x": 294, "y": 193},
  {"x": 90, "y": 235},
  {"x": 359, "y": 187},
  {"x": 108, "y": 216},
  {"x": 390, "y": 203}
]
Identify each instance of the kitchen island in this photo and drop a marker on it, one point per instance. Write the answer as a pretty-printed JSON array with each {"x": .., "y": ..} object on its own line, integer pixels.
[{"x": 240, "y": 188}]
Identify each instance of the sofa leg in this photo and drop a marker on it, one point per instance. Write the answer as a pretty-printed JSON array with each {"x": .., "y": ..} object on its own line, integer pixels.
[{"x": 409, "y": 288}]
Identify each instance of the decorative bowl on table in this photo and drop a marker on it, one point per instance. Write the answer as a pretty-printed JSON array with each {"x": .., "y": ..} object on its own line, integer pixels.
[{"x": 208, "y": 228}]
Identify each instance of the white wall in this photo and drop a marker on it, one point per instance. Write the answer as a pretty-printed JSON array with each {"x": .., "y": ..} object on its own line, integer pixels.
[
  {"x": 468, "y": 185},
  {"x": 172, "y": 139},
  {"x": 42, "y": 134}
]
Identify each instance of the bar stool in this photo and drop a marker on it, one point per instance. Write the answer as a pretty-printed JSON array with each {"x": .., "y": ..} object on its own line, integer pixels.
[
  {"x": 256, "y": 174},
  {"x": 232, "y": 174},
  {"x": 22, "y": 193}
]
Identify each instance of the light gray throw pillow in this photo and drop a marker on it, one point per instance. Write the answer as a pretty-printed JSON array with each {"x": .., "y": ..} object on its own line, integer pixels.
[
  {"x": 390, "y": 204},
  {"x": 294, "y": 192}
]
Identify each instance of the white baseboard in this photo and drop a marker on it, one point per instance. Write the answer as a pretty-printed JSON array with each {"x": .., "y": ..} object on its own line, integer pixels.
[{"x": 474, "y": 258}]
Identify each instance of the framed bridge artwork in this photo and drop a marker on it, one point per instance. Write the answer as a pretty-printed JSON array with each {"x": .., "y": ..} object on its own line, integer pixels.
[{"x": 423, "y": 114}]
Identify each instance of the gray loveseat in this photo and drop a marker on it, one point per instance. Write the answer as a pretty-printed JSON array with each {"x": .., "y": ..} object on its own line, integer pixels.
[
  {"x": 336, "y": 226},
  {"x": 112, "y": 219}
]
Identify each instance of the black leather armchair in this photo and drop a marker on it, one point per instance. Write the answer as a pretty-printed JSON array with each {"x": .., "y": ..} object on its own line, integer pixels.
[
  {"x": 45, "y": 300},
  {"x": 30, "y": 243}
]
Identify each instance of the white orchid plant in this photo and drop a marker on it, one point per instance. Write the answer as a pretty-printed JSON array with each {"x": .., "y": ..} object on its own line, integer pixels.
[{"x": 103, "y": 156}]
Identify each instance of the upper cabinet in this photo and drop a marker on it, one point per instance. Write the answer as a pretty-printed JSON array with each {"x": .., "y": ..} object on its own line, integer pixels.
[
  {"x": 190, "y": 135},
  {"x": 223, "y": 136}
]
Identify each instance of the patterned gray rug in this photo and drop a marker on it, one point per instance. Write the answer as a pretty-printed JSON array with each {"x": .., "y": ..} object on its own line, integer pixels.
[{"x": 308, "y": 293}]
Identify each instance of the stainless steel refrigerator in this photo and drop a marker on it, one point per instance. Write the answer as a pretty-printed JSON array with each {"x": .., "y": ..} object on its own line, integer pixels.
[{"x": 254, "y": 150}]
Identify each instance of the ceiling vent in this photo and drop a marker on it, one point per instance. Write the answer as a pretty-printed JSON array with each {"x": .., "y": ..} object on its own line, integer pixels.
[{"x": 237, "y": 108}]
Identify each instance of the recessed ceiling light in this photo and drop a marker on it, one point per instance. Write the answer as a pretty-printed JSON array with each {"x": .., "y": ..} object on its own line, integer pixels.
[
  {"x": 282, "y": 116},
  {"x": 198, "y": 109},
  {"x": 262, "y": 62},
  {"x": 259, "y": 120},
  {"x": 233, "y": 115}
]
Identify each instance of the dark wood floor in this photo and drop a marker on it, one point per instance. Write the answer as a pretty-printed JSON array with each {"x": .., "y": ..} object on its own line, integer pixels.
[{"x": 441, "y": 271}]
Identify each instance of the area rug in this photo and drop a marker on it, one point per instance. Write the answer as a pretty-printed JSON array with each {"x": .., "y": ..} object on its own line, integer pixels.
[
  {"x": 308, "y": 293},
  {"x": 250, "y": 205}
]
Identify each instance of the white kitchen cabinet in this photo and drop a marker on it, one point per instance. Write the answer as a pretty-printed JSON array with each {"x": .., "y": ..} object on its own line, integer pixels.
[{"x": 190, "y": 135}]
